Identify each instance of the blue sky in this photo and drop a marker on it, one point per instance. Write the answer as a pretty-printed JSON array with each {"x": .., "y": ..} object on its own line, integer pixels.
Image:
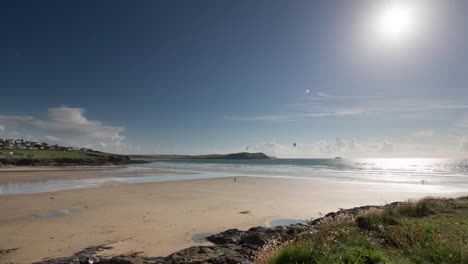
[{"x": 218, "y": 76}]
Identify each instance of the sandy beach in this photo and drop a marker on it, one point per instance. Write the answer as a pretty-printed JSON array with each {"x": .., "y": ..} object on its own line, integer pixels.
[{"x": 160, "y": 218}]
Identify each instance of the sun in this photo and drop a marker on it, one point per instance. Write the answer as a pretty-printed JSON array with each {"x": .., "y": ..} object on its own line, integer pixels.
[{"x": 396, "y": 21}]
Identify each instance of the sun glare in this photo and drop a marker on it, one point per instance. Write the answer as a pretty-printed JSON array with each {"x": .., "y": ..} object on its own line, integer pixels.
[{"x": 396, "y": 21}]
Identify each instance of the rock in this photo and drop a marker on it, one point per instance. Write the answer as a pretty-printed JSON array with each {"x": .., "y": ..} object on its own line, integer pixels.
[
  {"x": 119, "y": 260},
  {"x": 254, "y": 239},
  {"x": 195, "y": 255},
  {"x": 230, "y": 236}
]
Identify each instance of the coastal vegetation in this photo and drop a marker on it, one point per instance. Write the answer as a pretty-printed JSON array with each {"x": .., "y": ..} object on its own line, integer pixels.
[
  {"x": 61, "y": 158},
  {"x": 430, "y": 230},
  {"x": 19, "y": 152},
  {"x": 47, "y": 154}
]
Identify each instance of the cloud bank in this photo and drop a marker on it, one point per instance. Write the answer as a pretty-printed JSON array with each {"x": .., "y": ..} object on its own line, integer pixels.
[
  {"x": 331, "y": 105},
  {"x": 326, "y": 149},
  {"x": 366, "y": 148},
  {"x": 464, "y": 144},
  {"x": 65, "y": 126},
  {"x": 423, "y": 134}
]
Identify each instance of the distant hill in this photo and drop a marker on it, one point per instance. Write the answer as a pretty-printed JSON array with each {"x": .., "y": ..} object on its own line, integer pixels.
[
  {"x": 241, "y": 155},
  {"x": 20, "y": 152}
]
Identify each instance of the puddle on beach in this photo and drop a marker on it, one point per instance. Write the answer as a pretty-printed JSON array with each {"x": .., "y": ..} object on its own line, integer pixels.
[
  {"x": 284, "y": 222},
  {"x": 201, "y": 238},
  {"x": 48, "y": 215}
]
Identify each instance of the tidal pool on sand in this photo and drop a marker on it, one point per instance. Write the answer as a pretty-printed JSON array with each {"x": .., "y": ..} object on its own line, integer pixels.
[{"x": 201, "y": 238}]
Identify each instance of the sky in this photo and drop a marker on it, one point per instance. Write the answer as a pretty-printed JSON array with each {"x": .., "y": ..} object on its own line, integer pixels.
[{"x": 338, "y": 78}]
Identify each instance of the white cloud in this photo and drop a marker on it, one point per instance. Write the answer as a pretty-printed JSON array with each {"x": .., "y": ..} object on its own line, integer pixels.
[
  {"x": 462, "y": 123},
  {"x": 452, "y": 106},
  {"x": 464, "y": 144},
  {"x": 325, "y": 95},
  {"x": 423, "y": 133},
  {"x": 70, "y": 127},
  {"x": 53, "y": 138},
  {"x": 456, "y": 146},
  {"x": 330, "y": 105},
  {"x": 298, "y": 116},
  {"x": 386, "y": 147},
  {"x": 345, "y": 97},
  {"x": 319, "y": 149},
  {"x": 2, "y": 128}
]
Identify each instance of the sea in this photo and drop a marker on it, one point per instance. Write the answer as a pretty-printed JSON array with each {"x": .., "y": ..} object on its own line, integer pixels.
[{"x": 448, "y": 174}]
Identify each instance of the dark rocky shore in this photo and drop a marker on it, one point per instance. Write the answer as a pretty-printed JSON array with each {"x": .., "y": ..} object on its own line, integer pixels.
[{"x": 230, "y": 247}]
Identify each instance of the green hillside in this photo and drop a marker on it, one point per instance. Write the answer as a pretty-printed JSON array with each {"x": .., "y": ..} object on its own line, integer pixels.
[{"x": 47, "y": 154}]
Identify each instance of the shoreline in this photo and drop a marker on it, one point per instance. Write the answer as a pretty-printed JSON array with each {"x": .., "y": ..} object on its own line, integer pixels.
[
  {"x": 41, "y": 177},
  {"x": 46, "y": 173},
  {"x": 161, "y": 218},
  {"x": 12, "y": 168}
]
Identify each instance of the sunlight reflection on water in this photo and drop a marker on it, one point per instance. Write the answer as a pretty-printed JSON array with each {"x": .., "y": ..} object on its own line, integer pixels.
[{"x": 442, "y": 175}]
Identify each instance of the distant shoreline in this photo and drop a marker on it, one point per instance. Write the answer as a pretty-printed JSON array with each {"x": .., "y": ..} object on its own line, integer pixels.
[
  {"x": 30, "y": 174},
  {"x": 49, "y": 158},
  {"x": 231, "y": 156}
]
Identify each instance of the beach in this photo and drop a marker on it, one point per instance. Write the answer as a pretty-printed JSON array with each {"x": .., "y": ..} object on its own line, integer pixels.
[{"x": 160, "y": 218}]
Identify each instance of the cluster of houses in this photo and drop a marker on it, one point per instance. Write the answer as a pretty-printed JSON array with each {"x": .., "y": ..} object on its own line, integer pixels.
[{"x": 18, "y": 144}]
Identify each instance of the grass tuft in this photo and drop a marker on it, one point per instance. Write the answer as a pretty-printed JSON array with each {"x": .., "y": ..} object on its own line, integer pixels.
[
  {"x": 377, "y": 220},
  {"x": 296, "y": 253}
]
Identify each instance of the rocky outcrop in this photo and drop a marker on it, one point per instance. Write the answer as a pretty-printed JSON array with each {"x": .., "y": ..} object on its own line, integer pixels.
[
  {"x": 246, "y": 155},
  {"x": 232, "y": 246},
  {"x": 234, "y": 156}
]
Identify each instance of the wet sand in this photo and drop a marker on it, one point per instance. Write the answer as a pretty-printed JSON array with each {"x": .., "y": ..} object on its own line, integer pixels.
[
  {"x": 12, "y": 174},
  {"x": 160, "y": 218}
]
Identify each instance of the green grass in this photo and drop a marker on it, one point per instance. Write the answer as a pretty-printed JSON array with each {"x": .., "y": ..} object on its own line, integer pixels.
[
  {"x": 43, "y": 154},
  {"x": 428, "y": 231},
  {"x": 296, "y": 253}
]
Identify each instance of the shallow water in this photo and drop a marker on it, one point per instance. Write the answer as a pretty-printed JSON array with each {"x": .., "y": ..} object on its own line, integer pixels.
[
  {"x": 446, "y": 172},
  {"x": 60, "y": 185},
  {"x": 441, "y": 175},
  {"x": 201, "y": 238},
  {"x": 50, "y": 214}
]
